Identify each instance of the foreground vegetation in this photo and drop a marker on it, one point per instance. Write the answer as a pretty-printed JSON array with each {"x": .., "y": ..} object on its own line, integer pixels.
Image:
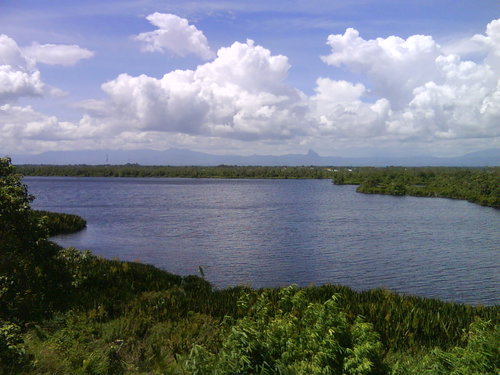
[
  {"x": 63, "y": 311},
  {"x": 477, "y": 185}
]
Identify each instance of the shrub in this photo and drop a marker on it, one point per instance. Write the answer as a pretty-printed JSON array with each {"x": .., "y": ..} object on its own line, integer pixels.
[{"x": 292, "y": 336}]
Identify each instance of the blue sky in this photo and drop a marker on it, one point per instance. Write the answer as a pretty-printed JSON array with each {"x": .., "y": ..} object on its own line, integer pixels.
[{"x": 346, "y": 78}]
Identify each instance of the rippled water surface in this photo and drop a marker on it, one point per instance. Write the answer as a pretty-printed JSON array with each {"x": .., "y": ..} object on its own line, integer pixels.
[{"x": 276, "y": 232}]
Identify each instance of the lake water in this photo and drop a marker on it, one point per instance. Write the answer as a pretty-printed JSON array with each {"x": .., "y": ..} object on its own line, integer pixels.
[{"x": 267, "y": 233}]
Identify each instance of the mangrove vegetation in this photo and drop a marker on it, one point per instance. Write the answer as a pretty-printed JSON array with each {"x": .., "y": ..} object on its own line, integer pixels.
[{"x": 477, "y": 185}]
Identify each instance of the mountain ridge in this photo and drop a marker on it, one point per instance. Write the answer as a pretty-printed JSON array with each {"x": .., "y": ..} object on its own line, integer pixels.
[{"x": 178, "y": 157}]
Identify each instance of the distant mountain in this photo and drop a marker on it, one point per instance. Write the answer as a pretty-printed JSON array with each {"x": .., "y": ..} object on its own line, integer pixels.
[{"x": 187, "y": 157}]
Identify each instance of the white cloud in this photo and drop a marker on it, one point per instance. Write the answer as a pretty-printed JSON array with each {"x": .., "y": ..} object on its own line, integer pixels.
[
  {"x": 57, "y": 54},
  {"x": 491, "y": 41},
  {"x": 23, "y": 128},
  {"x": 57, "y": 92},
  {"x": 393, "y": 65},
  {"x": 23, "y": 123},
  {"x": 340, "y": 111},
  {"x": 18, "y": 75},
  {"x": 241, "y": 94},
  {"x": 424, "y": 93},
  {"x": 175, "y": 35}
]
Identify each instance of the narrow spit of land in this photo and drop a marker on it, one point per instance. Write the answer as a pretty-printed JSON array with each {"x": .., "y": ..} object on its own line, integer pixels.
[{"x": 477, "y": 185}]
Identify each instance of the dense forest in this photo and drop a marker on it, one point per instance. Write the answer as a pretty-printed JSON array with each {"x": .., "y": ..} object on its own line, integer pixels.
[{"x": 65, "y": 311}]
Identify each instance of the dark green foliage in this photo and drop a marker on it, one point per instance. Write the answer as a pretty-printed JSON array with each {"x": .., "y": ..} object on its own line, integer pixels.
[
  {"x": 108, "y": 285},
  {"x": 12, "y": 351},
  {"x": 32, "y": 280},
  {"x": 59, "y": 223},
  {"x": 477, "y": 185},
  {"x": 134, "y": 170}
]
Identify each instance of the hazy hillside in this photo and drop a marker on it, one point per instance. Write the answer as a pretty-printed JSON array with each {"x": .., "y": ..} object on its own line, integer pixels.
[{"x": 187, "y": 157}]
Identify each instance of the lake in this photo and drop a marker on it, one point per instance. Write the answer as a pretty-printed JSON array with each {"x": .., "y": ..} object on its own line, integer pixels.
[{"x": 267, "y": 233}]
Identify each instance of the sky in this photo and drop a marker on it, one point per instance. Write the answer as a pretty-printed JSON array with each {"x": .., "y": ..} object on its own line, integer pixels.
[{"x": 343, "y": 78}]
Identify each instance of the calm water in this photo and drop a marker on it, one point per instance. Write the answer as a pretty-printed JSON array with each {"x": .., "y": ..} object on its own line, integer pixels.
[{"x": 277, "y": 232}]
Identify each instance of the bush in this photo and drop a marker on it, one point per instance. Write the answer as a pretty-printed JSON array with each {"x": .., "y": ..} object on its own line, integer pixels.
[
  {"x": 292, "y": 336},
  {"x": 12, "y": 352}
]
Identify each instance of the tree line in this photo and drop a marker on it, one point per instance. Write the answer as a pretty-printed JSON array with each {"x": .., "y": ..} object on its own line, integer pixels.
[
  {"x": 135, "y": 170},
  {"x": 65, "y": 311}
]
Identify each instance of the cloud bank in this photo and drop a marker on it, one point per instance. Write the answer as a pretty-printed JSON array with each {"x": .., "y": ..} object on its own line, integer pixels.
[{"x": 412, "y": 91}]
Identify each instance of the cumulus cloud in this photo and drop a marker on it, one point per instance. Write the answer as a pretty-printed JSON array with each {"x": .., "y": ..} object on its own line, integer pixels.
[
  {"x": 18, "y": 75},
  {"x": 241, "y": 94},
  {"x": 57, "y": 54},
  {"x": 491, "y": 42},
  {"x": 423, "y": 93},
  {"x": 174, "y": 35},
  {"x": 339, "y": 110},
  {"x": 414, "y": 91},
  {"x": 394, "y": 66}
]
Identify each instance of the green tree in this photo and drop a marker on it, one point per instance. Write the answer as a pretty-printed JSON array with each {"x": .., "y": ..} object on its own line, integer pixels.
[
  {"x": 31, "y": 278},
  {"x": 12, "y": 352}
]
